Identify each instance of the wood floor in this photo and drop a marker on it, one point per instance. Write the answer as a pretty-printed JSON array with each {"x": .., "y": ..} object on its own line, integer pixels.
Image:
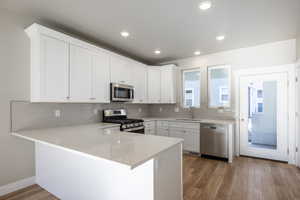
[{"x": 204, "y": 179}]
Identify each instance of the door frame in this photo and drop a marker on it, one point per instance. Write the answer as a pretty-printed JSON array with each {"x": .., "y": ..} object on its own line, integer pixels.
[
  {"x": 290, "y": 69},
  {"x": 297, "y": 87}
]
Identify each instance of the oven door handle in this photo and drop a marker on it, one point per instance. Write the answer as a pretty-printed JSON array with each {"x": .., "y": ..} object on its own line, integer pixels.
[{"x": 135, "y": 129}]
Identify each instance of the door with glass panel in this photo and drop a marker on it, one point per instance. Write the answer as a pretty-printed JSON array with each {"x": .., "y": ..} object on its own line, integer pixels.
[{"x": 264, "y": 116}]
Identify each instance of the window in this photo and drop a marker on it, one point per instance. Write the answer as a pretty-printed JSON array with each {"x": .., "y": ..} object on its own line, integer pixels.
[
  {"x": 189, "y": 97},
  {"x": 259, "y": 94},
  {"x": 224, "y": 95},
  {"x": 260, "y": 107},
  {"x": 191, "y": 88},
  {"x": 219, "y": 86}
]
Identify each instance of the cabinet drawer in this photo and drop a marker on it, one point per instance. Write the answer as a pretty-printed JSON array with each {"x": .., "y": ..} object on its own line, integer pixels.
[
  {"x": 150, "y": 132},
  {"x": 162, "y": 124},
  {"x": 149, "y": 123},
  {"x": 184, "y": 125}
]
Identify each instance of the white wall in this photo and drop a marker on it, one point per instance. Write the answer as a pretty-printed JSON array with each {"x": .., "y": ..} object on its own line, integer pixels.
[
  {"x": 267, "y": 55},
  {"x": 17, "y": 155}
]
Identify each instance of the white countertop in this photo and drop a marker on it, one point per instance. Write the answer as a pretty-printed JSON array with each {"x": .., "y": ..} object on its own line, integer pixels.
[
  {"x": 93, "y": 140},
  {"x": 191, "y": 120}
]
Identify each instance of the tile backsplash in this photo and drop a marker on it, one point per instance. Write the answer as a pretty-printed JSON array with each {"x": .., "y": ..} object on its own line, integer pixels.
[
  {"x": 27, "y": 115},
  {"x": 169, "y": 111}
]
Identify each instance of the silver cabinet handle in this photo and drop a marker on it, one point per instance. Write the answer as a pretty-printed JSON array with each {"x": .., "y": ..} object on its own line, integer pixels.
[{"x": 92, "y": 98}]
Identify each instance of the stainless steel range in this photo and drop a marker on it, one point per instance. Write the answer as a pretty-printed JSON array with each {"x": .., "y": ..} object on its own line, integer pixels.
[{"x": 119, "y": 116}]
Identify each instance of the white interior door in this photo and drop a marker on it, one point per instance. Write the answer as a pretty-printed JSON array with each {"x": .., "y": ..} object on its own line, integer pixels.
[{"x": 264, "y": 116}]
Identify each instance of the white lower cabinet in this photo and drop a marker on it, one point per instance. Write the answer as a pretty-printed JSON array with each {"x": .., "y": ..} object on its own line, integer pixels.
[
  {"x": 189, "y": 132},
  {"x": 150, "y": 128}
]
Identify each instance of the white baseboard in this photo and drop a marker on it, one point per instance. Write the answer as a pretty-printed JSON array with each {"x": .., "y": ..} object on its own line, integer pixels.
[{"x": 12, "y": 187}]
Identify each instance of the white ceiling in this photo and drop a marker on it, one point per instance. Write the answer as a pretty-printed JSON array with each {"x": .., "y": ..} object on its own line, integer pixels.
[{"x": 176, "y": 27}]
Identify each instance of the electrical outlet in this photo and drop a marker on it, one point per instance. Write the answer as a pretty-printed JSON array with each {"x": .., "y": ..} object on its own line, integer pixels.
[
  {"x": 176, "y": 109},
  {"x": 140, "y": 110},
  {"x": 96, "y": 111},
  {"x": 160, "y": 109},
  {"x": 57, "y": 113}
]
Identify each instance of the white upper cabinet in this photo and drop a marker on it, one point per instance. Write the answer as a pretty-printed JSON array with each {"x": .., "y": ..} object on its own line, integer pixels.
[
  {"x": 49, "y": 70},
  {"x": 81, "y": 61},
  {"x": 120, "y": 70},
  {"x": 168, "y": 84},
  {"x": 101, "y": 78},
  {"x": 89, "y": 75},
  {"x": 65, "y": 69},
  {"x": 162, "y": 84},
  {"x": 139, "y": 72},
  {"x": 154, "y": 84}
]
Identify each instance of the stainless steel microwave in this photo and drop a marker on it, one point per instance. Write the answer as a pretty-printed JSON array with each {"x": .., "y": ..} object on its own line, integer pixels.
[{"x": 121, "y": 92}]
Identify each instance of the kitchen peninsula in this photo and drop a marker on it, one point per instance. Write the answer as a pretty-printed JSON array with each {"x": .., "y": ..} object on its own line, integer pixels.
[{"x": 97, "y": 161}]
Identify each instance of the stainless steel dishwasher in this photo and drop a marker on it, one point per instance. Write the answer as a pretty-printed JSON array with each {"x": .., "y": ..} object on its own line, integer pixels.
[{"x": 214, "y": 140}]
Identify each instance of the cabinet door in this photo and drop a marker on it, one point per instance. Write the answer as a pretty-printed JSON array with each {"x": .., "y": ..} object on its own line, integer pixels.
[
  {"x": 154, "y": 85},
  {"x": 194, "y": 140},
  {"x": 80, "y": 74},
  {"x": 168, "y": 85},
  {"x": 100, "y": 76},
  {"x": 120, "y": 70},
  {"x": 188, "y": 143},
  {"x": 163, "y": 132},
  {"x": 140, "y": 83},
  {"x": 177, "y": 133},
  {"x": 54, "y": 70}
]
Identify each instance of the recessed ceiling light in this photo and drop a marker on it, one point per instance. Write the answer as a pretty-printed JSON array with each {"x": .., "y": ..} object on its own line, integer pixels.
[
  {"x": 220, "y": 37},
  {"x": 124, "y": 34},
  {"x": 204, "y": 5},
  {"x": 197, "y": 53},
  {"x": 157, "y": 51}
]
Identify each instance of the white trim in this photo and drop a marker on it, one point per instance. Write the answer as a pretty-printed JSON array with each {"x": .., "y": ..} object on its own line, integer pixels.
[
  {"x": 290, "y": 70},
  {"x": 297, "y": 91},
  {"x": 12, "y": 187}
]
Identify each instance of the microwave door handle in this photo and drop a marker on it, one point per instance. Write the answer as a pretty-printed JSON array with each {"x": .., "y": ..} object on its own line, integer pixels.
[{"x": 132, "y": 94}]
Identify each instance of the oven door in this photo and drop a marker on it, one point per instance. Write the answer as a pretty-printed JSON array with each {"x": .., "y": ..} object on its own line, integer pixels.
[{"x": 121, "y": 92}]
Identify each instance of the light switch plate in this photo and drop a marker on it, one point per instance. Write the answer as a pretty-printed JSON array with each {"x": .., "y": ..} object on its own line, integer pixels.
[
  {"x": 140, "y": 110},
  {"x": 160, "y": 109},
  {"x": 176, "y": 109},
  {"x": 96, "y": 111}
]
